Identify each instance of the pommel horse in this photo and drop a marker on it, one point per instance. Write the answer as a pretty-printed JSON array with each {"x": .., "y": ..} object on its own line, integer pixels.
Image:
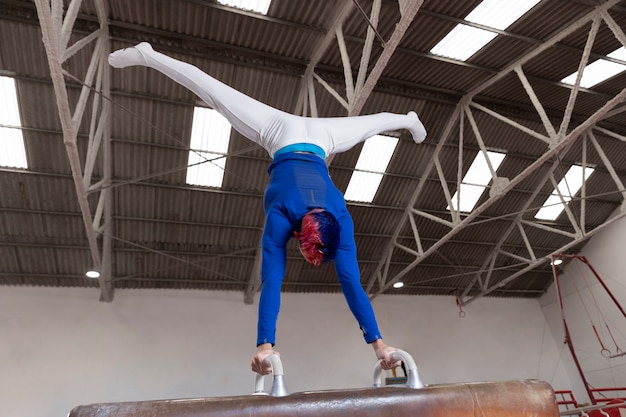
[{"x": 522, "y": 398}]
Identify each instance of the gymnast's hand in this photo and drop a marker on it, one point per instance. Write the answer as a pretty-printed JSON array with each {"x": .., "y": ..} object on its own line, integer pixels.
[
  {"x": 263, "y": 351},
  {"x": 383, "y": 353}
]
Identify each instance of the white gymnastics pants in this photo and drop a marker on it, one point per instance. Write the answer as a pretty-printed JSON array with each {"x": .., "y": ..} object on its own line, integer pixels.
[{"x": 271, "y": 128}]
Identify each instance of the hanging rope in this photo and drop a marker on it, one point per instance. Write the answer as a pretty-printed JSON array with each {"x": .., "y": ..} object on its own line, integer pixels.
[
  {"x": 603, "y": 317},
  {"x": 556, "y": 368},
  {"x": 197, "y": 265},
  {"x": 180, "y": 168},
  {"x": 169, "y": 136},
  {"x": 533, "y": 209},
  {"x": 606, "y": 325},
  {"x": 604, "y": 351},
  {"x": 369, "y": 22},
  {"x": 458, "y": 303},
  {"x": 618, "y": 350}
]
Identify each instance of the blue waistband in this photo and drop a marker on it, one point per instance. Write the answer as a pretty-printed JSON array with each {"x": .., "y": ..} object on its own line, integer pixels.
[{"x": 302, "y": 147}]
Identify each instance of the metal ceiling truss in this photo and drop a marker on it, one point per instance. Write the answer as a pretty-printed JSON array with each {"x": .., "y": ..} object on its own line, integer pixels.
[
  {"x": 555, "y": 140},
  {"x": 357, "y": 91},
  {"x": 57, "y": 30},
  {"x": 56, "y": 26}
]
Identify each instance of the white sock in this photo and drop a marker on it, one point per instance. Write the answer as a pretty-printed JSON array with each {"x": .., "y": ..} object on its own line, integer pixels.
[
  {"x": 418, "y": 131},
  {"x": 127, "y": 57}
]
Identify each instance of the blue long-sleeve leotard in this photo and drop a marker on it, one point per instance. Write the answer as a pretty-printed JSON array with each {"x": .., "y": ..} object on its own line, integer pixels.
[{"x": 299, "y": 183}]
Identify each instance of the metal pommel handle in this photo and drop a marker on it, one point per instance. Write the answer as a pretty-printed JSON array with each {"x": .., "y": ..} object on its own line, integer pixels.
[
  {"x": 413, "y": 379},
  {"x": 278, "y": 382}
]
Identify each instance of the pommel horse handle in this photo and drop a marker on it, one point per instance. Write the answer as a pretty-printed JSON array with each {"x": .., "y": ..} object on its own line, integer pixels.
[
  {"x": 413, "y": 379},
  {"x": 278, "y": 382}
]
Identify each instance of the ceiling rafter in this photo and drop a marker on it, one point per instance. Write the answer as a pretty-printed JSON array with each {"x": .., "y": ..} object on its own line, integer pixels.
[{"x": 557, "y": 141}]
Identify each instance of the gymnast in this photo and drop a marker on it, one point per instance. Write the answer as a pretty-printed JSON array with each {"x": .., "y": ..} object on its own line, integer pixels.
[{"x": 300, "y": 200}]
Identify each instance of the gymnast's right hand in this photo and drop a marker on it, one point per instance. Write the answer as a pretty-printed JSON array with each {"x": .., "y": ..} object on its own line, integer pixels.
[
  {"x": 263, "y": 351},
  {"x": 383, "y": 352}
]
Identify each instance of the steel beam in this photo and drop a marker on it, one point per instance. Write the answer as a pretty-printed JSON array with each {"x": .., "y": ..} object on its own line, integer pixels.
[
  {"x": 555, "y": 141},
  {"x": 56, "y": 26}
]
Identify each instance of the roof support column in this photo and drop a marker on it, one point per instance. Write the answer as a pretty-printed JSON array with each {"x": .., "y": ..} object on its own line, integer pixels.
[{"x": 56, "y": 33}]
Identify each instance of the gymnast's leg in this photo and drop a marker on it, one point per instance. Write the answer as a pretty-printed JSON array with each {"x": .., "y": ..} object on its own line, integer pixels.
[
  {"x": 349, "y": 131},
  {"x": 244, "y": 113},
  {"x": 269, "y": 127}
]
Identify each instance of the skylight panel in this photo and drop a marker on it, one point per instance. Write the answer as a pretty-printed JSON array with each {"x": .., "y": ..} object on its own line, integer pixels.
[
  {"x": 210, "y": 136},
  {"x": 500, "y": 14},
  {"x": 13, "y": 152},
  {"x": 370, "y": 168},
  {"x": 568, "y": 187},
  {"x": 464, "y": 41},
  {"x": 259, "y": 6},
  {"x": 619, "y": 53},
  {"x": 600, "y": 70},
  {"x": 476, "y": 179}
]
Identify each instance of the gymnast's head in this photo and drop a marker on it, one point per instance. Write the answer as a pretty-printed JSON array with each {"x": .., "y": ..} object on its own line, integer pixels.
[{"x": 318, "y": 237}]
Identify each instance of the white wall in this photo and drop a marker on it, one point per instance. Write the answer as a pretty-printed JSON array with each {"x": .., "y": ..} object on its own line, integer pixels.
[
  {"x": 60, "y": 348},
  {"x": 587, "y": 304}
]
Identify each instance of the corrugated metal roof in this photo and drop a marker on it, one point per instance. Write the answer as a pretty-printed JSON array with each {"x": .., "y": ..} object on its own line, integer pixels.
[{"x": 167, "y": 234}]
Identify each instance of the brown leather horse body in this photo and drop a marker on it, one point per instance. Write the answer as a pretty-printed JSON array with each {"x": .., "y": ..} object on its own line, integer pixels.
[{"x": 525, "y": 398}]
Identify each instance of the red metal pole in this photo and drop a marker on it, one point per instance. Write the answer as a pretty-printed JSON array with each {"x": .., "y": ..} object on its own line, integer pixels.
[
  {"x": 583, "y": 259},
  {"x": 568, "y": 338}
]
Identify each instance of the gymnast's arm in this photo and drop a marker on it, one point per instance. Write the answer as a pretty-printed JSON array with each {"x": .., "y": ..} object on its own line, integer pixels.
[
  {"x": 278, "y": 230},
  {"x": 349, "y": 276}
]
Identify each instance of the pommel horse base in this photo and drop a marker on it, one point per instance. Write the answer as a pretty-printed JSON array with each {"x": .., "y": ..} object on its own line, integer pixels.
[{"x": 523, "y": 398}]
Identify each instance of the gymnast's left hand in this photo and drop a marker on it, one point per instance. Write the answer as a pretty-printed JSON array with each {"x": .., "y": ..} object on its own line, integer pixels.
[{"x": 258, "y": 360}]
